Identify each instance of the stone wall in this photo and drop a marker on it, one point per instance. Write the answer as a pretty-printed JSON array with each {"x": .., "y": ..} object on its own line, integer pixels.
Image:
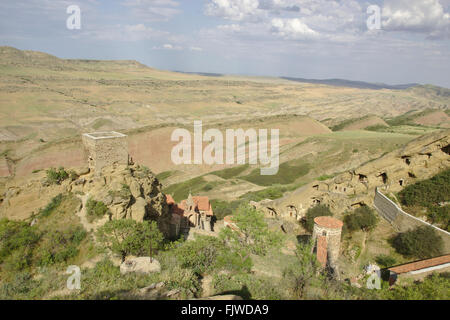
[
  {"x": 403, "y": 221},
  {"x": 106, "y": 148},
  {"x": 333, "y": 240}
]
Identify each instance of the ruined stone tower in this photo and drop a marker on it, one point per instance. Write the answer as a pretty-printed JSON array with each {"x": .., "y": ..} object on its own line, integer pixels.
[
  {"x": 327, "y": 237},
  {"x": 105, "y": 148}
]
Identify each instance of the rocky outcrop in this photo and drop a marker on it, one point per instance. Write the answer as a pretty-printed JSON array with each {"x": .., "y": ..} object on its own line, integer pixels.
[
  {"x": 420, "y": 159},
  {"x": 129, "y": 192},
  {"x": 144, "y": 265}
]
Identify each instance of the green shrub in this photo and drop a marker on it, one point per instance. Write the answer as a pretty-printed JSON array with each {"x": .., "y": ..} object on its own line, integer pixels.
[
  {"x": 126, "y": 236},
  {"x": 56, "y": 176},
  {"x": 248, "y": 286},
  {"x": 363, "y": 218},
  {"x": 254, "y": 234},
  {"x": 422, "y": 242},
  {"x": 123, "y": 193},
  {"x": 304, "y": 273},
  {"x": 200, "y": 254},
  {"x": 143, "y": 171},
  {"x": 95, "y": 209},
  {"x": 60, "y": 246},
  {"x": 434, "y": 287},
  {"x": 223, "y": 208},
  {"x": 19, "y": 287},
  {"x": 15, "y": 235},
  {"x": 51, "y": 206},
  {"x": 430, "y": 193},
  {"x": 385, "y": 260},
  {"x": 314, "y": 212}
]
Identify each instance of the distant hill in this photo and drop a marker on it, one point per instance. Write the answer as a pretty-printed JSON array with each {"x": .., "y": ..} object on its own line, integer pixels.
[
  {"x": 206, "y": 74},
  {"x": 353, "y": 84},
  {"x": 360, "y": 123},
  {"x": 428, "y": 117}
]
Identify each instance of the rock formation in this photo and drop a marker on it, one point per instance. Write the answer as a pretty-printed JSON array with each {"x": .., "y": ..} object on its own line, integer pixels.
[{"x": 420, "y": 159}]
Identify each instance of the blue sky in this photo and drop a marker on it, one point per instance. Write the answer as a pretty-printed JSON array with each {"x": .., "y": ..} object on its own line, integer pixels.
[{"x": 298, "y": 38}]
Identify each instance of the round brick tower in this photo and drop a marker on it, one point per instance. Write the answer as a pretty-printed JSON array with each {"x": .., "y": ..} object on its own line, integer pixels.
[{"x": 331, "y": 229}]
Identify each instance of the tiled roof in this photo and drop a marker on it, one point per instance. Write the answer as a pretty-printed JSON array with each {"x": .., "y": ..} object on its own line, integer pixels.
[
  {"x": 169, "y": 199},
  {"x": 322, "y": 250},
  {"x": 328, "y": 222},
  {"x": 201, "y": 203},
  {"x": 422, "y": 264}
]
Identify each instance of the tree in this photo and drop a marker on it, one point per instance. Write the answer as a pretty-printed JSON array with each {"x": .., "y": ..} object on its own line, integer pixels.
[
  {"x": 305, "y": 272},
  {"x": 253, "y": 231},
  {"x": 200, "y": 255},
  {"x": 422, "y": 242},
  {"x": 362, "y": 218},
  {"x": 56, "y": 176},
  {"x": 126, "y": 236},
  {"x": 150, "y": 238},
  {"x": 314, "y": 212}
]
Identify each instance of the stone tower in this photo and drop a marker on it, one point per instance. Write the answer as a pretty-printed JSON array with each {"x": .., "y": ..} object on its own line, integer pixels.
[
  {"x": 105, "y": 148},
  {"x": 327, "y": 237}
]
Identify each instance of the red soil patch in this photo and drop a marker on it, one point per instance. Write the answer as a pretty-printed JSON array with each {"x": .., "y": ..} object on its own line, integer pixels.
[{"x": 433, "y": 118}]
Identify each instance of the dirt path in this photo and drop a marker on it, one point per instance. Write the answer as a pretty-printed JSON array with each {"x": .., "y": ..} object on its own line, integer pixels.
[{"x": 83, "y": 216}]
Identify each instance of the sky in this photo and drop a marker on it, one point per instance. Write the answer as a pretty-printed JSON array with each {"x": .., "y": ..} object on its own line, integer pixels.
[{"x": 317, "y": 39}]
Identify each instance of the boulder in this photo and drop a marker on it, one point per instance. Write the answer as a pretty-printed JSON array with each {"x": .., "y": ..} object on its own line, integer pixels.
[
  {"x": 138, "y": 210},
  {"x": 82, "y": 171},
  {"x": 135, "y": 189},
  {"x": 140, "y": 265}
]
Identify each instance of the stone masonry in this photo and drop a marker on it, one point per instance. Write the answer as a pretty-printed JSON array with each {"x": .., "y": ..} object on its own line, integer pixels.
[{"x": 105, "y": 148}]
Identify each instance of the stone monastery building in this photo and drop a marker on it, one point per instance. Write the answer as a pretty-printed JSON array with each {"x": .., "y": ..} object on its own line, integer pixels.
[{"x": 195, "y": 211}]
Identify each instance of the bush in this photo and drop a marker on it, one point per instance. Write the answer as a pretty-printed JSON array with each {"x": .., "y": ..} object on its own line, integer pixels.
[
  {"x": 362, "y": 218},
  {"x": 433, "y": 287},
  {"x": 314, "y": 212},
  {"x": 126, "y": 236},
  {"x": 254, "y": 233},
  {"x": 123, "y": 193},
  {"x": 421, "y": 242},
  {"x": 51, "y": 206},
  {"x": 199, "y": 255},
  {"x": 248, "y": 286},
  {"x": 56, "y": 176},
  {"x": 60, "y": 246},
  {"x": 430, "y": 194},
  {"x": 385, "y": 260},
  {"x": 95, "y": 209},
  {"x": 15, "y": 235}
]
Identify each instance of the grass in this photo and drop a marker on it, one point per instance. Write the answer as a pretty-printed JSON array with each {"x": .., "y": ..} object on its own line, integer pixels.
[
  {"x": 288, "y": 173},
  {"x": 180, "y": 191},
  {"x": 231, "y": 172},
  {"x": 165, "y": 175}
]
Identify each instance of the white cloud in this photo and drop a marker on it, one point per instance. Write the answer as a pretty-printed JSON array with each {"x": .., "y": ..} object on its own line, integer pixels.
[
  {"x": 126, "y": 33},
  {"x": 292, "y": 29},
  {"x": 153, "y": 10},
  {"x": 168, "y": 46},
  {"x": 232, "y": 9},
  {"x": 424, "y": 16}
]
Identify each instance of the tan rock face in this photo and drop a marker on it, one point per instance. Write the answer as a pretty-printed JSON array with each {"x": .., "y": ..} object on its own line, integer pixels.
[
  {"x": 420, "y": 159},
  {"x": 128, "y": 192}
]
